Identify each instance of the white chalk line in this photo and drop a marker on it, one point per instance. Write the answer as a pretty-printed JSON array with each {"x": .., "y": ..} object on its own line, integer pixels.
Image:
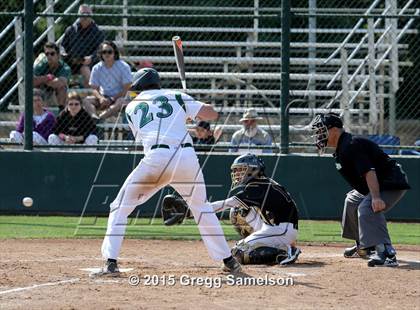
[
  {"x": 27, "y": 288},
  {"x": 180, "y": 263}
]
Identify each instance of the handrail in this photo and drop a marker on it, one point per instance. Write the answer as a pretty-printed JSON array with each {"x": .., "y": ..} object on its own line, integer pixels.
[
  {"x": 360, "y": 44},
  {"x": 379, "y": 62},
  {"x": 10, "y": 91},
  {"x": 396, "y": 39},
  {"x": 356, "y": 72},
  {"x": 377, "y": 45},
  {"x": 40, "y": 38},
  {"x": 358, "y": 24},
  {"x": 45, "y": 33},
  {"x": 13, "y": 44},
  {"x": 5, "y": 30},
  {"x": 356, "y": 50}
]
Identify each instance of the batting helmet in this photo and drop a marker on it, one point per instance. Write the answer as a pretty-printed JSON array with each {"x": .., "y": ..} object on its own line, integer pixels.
[
  {"x": 144, "y": 78},
  {"x": 320, "y": 125},
  {"x": 246, "y": 167}
]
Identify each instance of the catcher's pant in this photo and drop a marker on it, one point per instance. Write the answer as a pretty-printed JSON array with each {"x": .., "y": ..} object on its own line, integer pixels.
[
  {"x": 179, "y": 168},
  {"x": 278, "y": 236},
  {"x": 361, "y": 224},
  {"x": 17, "y": 137}
]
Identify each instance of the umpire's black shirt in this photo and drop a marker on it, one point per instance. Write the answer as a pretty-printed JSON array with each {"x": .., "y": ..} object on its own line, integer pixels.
[{"x": 355, "y": 156}]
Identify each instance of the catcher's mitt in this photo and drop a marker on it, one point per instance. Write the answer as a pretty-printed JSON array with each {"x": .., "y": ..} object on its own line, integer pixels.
[
  {"x": 174, "y": 210},
  {"x": 237, "y": 218}
]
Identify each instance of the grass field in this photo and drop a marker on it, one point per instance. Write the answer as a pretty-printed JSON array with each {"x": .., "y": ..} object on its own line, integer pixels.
[{"x": 142, "y": 228}]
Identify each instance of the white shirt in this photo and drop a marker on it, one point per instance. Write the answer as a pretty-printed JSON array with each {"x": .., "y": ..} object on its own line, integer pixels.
[
  {"x": 158, "y": 116},
  {"x": 110, "y": 81}
]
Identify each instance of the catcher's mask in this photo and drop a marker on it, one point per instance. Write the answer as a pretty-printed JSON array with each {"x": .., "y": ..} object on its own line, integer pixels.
[
  {"x": 246, "y": 167},
  {"x": 320, "y": 125}
]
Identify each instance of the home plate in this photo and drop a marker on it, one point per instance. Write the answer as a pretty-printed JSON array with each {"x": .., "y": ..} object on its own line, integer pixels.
[{"x": 91, "y": 270}]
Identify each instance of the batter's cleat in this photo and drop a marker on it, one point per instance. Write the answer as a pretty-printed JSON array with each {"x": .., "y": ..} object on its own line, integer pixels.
[
  {"x": 231, "y": 265},
  {"x": 293, "y": 254},
  {"x": 383, "y": 260},
  {"x": 358, "y": 252},
  {"x": 110, "y": 269}
]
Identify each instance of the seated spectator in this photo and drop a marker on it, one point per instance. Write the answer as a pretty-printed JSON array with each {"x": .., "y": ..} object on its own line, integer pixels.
[
  {"x": 74, "y": 125},
  {"x": 110, "y": 79},
  {"x": 250, "y": 134},
  {"x": 51, "y": 74},
  {"x": 203, "y": 134},
  {"x": 43, "y": 122},
  {"x": 80, "y": 42}
]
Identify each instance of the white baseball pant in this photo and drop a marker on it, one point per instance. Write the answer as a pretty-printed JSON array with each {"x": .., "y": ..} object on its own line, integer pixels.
[{"x": 178, "y": 167}]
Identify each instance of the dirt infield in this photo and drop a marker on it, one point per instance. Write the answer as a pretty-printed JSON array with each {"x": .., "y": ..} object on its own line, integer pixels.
[{"x": 47, "y": 274}]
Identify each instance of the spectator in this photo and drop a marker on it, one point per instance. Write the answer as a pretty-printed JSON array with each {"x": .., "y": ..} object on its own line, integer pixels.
[
  {"x": 110, "y": 80},
  {"x": 203, "y": 134},
  {"x": 74, "y": 125},
  {"x": 43, "y": 122},
  {"x": 51, "y": 74},
  {"x": 251, "y": 134},
  {"x": 80, "y": 42}
]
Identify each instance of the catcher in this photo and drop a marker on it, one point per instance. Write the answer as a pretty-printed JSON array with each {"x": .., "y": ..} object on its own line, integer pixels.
[{"x": 261, "y": 210}]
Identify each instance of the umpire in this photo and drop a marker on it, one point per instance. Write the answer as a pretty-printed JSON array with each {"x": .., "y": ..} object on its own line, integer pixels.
[{"x": 378, "y": 184}]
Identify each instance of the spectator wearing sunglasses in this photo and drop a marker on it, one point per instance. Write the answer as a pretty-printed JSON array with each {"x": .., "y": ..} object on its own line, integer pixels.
[
  {"x": 51, "y": 74},
  {"x": 110, "y": 80},
  {"x": 74, "y": 125}
]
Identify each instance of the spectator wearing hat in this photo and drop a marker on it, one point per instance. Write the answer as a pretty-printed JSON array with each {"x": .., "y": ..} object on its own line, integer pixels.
[
  {"x": 250, "y": 134},
  {"x": 80, "y": 42},
  {"x": 203, "y": 134}
]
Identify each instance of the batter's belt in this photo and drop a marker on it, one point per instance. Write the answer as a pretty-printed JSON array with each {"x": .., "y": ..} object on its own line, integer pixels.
[{"x": 165, "y": 146}]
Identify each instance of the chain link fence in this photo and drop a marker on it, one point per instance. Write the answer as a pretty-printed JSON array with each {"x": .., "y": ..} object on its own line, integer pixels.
[{"x": 365, "y": 69}]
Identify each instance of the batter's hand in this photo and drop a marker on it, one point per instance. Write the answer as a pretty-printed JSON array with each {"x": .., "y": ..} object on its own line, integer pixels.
[{"x": 378, "y": 205}]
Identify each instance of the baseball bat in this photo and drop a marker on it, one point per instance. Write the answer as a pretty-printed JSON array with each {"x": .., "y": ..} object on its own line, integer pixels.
[{"x": 179, "y": 57}]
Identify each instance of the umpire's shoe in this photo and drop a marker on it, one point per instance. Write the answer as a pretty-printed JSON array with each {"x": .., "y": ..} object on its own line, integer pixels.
[
  {"x": 385, "y": 256},
  {"x": 293, "y": 254},
  {"x": 110, "y": 269},
  {"x": 231, "y": 265},
  {"x": 356, "y": 252}
]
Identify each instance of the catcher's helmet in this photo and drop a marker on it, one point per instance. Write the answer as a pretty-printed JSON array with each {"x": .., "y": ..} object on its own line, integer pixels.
[
  {"x": 320, "y": 125},
  {"x": 246, "y": 167},
  {"x": 145, "y": 77}
]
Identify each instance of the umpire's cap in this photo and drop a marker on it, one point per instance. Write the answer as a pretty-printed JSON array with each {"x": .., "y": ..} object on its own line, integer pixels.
[{"x": 144, "y": 78}]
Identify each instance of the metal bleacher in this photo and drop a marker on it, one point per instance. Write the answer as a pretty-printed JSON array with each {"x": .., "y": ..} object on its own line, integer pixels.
[
  {"x": 245, "y": 71},
  {"x": 238, "y": 73}
]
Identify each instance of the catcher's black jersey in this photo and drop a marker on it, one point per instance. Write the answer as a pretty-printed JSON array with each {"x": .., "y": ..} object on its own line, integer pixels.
[{"x": 270, "y": 200}]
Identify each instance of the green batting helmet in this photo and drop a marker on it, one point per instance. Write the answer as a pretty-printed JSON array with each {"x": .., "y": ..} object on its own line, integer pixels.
[{"x": 145, "y": 77}]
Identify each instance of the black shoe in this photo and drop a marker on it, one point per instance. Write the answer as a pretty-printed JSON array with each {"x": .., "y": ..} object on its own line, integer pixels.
[
  {"x": 109, "y": 270},
  {"x": 358, "y": 252},
  {"x": 231, "y": 265},
  {"x": 383, "y": 259},
  {"x": 293, "y": 254}
]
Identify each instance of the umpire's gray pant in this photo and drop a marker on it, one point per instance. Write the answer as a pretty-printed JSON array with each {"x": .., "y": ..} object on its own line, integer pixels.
[{"x": 363, "y": 225}]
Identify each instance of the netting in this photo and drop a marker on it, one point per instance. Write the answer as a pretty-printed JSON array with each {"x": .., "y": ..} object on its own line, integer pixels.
[{"x": 364, "y": 68}]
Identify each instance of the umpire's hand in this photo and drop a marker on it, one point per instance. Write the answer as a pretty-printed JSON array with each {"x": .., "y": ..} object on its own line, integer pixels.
[{"x": 378, "y": 205}]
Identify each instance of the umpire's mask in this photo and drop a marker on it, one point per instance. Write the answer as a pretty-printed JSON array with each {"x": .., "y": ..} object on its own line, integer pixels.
[{"x": 320, "y": 126}]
